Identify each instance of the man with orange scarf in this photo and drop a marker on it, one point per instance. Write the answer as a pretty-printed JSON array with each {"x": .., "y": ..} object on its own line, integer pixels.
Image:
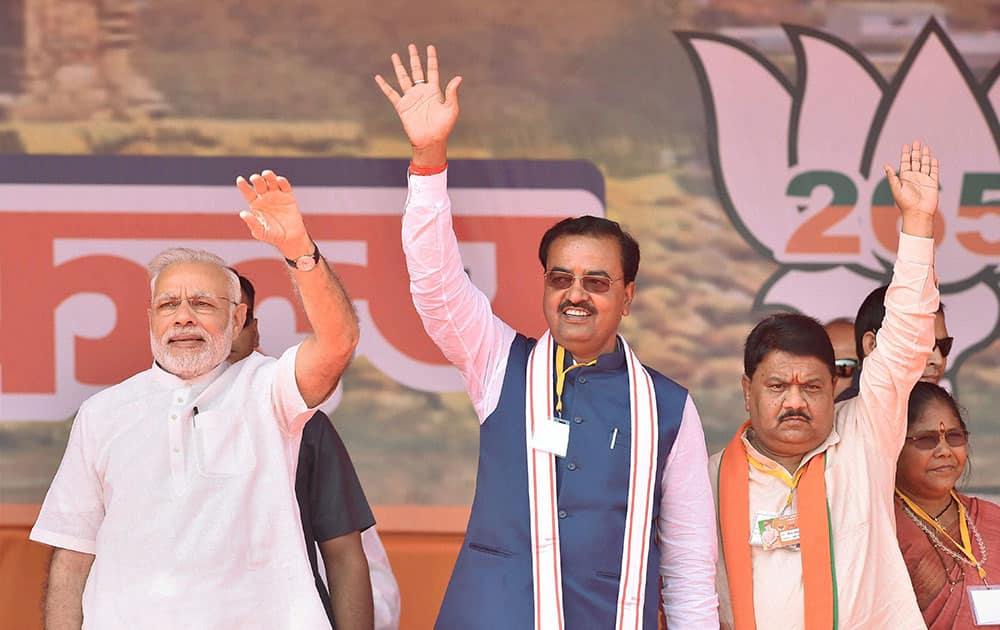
[{"x": 805, "y": 489}]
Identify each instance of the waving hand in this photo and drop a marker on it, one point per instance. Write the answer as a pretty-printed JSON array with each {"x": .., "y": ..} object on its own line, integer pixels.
[
  {"x": 274, "y": 215},
  {"x": 427, "y": 114},
  {"x": 915, "y": 188}
]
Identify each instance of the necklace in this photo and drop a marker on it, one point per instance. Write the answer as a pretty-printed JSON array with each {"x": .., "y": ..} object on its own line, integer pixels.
[
  {"x": 948, "y": 572},
  {"x": 941, "y": 513},
  {"x": 939, "y": 545}
]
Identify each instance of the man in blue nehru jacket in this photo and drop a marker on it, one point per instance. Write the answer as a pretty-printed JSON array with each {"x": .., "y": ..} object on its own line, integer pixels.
[{"x": 592, "y": 482}]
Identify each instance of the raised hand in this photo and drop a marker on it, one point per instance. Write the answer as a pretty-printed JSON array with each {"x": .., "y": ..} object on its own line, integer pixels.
[
  {"x": 915, "y": 188},
  {"x": 274, "y": 215},
  {"x": 427, "y": 114}
]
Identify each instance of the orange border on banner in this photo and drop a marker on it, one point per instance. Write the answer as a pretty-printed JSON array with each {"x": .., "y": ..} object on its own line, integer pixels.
[{"x": 432, "y": 519}]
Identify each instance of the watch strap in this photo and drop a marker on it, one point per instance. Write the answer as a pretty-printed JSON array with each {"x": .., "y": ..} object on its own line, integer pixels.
[{"x": 315, "y": 256}]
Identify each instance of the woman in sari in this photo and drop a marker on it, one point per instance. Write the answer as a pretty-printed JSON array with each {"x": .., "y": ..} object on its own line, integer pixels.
[{"x": 949, "y": 541}]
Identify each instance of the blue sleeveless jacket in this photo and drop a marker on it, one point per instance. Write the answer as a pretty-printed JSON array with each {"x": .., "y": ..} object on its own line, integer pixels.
[{"x": 492, "y": 584}]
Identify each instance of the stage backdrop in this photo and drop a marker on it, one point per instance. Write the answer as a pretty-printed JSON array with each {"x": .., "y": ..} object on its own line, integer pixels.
[{"x": 741, "y": 142}]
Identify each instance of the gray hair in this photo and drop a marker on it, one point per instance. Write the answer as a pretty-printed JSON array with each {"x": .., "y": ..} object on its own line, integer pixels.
[{"x": 176, "y": 255}]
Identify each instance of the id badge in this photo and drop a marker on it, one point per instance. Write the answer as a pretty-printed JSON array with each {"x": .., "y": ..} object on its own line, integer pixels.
[
  {"x": 551, "y": 436},
  {"x": 755, "y": 540},
  {"x": 779, "y": 532},
  {"x": 985, "y": 604}
]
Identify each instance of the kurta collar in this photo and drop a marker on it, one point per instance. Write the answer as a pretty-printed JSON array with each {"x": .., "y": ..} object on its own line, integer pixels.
[
  {"x": 614, "y": 360},
  {"x": 171, "y": 381},
  {"x": 831, "y": 440}
]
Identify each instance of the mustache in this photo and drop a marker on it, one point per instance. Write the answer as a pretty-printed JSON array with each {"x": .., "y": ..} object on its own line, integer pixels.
[
  {"x": 586, "y": 306},
  {"x": 184, "y": 331},
  {"x": 795, "y": 413}
]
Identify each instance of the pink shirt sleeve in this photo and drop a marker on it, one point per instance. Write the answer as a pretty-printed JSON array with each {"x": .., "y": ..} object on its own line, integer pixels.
[
  {"x": 687, "y": 529},
  {"x": 455, "y": 313},
  {"x": 902, "y": 346}
]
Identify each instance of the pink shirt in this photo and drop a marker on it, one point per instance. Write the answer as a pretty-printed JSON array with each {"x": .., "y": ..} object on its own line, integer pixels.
[
  {"x": 873, "y": 586},
  {"x": 459, "y": 319},
  {"x": 192, "y": 517}
]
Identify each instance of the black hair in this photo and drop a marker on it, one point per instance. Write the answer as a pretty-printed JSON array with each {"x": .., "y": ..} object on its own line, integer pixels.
[
  {"x": 588, "y": 225},
  {"x": 869, "y": 319},
  {"x": 798, "y": 335},
  {"x": 923, "y": 394},
  {"x": 870, "y": 316},
  {"x": 247, "y": 288}
]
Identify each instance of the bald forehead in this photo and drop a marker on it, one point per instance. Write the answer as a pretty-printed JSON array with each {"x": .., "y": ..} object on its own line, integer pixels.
[
  {"x": 841, "y": 333},
  {"x": 839, "y": 328},
  {"x": 193, "y": 277}
]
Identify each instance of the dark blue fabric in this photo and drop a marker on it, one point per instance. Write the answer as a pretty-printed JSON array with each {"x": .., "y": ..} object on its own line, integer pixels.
[{"x": 492, "y": 584}]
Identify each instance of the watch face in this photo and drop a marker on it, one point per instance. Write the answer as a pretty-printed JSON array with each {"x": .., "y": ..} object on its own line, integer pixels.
[{"x": 305, "y": 263}]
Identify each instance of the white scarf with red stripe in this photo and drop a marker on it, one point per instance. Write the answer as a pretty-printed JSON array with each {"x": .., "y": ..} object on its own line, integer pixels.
[{"x": 540, "y": 403}]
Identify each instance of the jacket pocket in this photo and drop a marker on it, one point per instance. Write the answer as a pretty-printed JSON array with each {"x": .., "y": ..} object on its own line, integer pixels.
[{"x": 493, "y": 551}]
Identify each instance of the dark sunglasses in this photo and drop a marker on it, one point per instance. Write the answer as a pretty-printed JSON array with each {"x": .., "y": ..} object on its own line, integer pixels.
[
  {"x": 930, "y": 439},
  {"x": 562, "y": 280},
  {"x": 845, "y": 367},
  {"x": 943, "y": 344}
]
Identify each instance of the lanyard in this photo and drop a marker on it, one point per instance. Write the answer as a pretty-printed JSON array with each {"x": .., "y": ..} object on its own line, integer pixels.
[
  {"x": 561, "y": 375},
  {"x": 792, "y": 481},
  {"x": 966, "y": 546}
]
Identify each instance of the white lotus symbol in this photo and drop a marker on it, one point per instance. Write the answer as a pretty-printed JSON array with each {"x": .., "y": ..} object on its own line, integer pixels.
[{"x": 798, "y": 167}]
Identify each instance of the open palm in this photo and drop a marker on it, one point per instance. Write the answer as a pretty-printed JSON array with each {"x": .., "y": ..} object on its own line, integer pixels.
[
  {"x": 274, "y": 215},
  {"x": 427, "y": 114},
  {"x": 915, "y": 188}
]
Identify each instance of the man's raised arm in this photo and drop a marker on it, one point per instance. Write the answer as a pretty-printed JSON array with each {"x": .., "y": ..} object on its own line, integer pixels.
[
  {"x": 274, "y": 218},
  {"x": 456, "y": 314},
  {"x": 907, "y": 333}
]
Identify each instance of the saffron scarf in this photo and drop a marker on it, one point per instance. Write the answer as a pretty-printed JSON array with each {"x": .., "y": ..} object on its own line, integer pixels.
[
  {"x": 545, "y": 558},
  {"x": 816, "y": 543}
]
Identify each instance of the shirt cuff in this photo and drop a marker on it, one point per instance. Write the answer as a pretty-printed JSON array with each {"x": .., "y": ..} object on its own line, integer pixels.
[
  {"x": 63, "y": 541},
  {"x": 429, "y": 190},
  {"x": 915, "y": 249}
]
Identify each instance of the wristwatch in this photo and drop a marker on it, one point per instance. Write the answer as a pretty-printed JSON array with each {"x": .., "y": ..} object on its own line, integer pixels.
[{"x": 306, "y": 262}]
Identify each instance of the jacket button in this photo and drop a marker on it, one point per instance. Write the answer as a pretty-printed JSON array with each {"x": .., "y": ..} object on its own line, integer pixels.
[
  {"x": 577, "y": 420},
  {"x": 571, "y": 466},
  {"x": 582, "y": 379},
  {"x": 562, "y": 514}
]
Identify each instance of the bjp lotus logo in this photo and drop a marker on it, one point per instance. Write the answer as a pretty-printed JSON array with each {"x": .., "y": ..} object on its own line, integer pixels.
[{"x": 798, "y": 167}]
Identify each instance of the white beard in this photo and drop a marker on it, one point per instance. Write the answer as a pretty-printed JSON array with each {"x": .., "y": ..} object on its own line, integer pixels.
[{"x": 188, "y": 363}]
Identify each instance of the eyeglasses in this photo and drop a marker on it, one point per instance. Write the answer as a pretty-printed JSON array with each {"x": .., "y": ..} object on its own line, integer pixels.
[
  {"x": 562, "y": 280},
  {"x": 201, "y": 304},
  {"x": 943, "y": 344},
  {"x": 930, "y": 439},
  {"x": 844, "y": 368}
]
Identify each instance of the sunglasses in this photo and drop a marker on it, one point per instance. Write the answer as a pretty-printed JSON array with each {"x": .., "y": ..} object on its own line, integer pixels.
[
  {"x": 844, "y": 368},
  {"x": 930, "y": 439},
  {"x": 562, "y": 280},
  {"x": 944, "y": 345}
]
